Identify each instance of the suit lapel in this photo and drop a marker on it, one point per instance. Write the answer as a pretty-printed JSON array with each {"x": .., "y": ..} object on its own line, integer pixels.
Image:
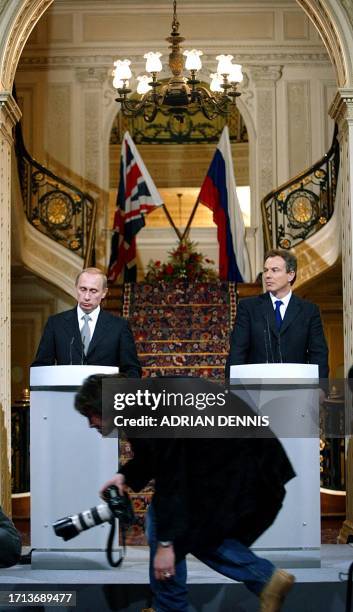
[
  {"x": 268, "y": 313},
  {"x": 292, "y": 311},
  {"x": 101, "y": 330},
  {"x": 71, "y": 326}
]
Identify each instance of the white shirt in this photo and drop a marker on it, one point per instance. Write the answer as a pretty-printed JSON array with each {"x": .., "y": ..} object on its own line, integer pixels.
[
  {"x": 93, "y": 318},
  {"x": 284, "y": 305}
]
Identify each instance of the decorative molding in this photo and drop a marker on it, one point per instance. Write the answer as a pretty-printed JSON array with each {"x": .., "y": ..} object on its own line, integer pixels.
[
  {"x": 20, "y": 28},
  {"x": 92, "y": 74},
  {"x": 326, "y": 26},
  {"x": 265, "y": 139},
  {"x": 91, "y": 138},
  {"x": 299, "y": 122},
  {"x": 265, "y": 76},
  {"x": 258, "y": 57},
  {"x": 342, "y": 105},
  {"x": 10, "y": 113}
]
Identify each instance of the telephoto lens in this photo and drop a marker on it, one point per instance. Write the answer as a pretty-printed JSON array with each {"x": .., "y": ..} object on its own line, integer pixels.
[
  {"x": 117, "y": 506},
  {"x": 70, "y": 526}
]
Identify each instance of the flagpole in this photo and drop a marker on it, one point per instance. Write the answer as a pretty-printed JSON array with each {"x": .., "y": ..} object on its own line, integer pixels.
[
  {"x": 171, "y": 221},
  {"x": 186, "y": 231}
]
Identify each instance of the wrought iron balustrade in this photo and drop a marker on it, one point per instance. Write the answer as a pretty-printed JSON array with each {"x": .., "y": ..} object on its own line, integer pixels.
[
  {"x": 303, "y": 205},
  {"x": 54, "y": 206}
]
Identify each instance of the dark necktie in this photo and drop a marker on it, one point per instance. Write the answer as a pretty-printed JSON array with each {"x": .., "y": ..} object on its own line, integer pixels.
[
  {"x": 86, "y": 333},
  {"x": 278, "y": 304}
]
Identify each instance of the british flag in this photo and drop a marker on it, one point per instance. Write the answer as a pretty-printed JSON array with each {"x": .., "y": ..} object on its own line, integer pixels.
[{"x": 137, "y": 196}]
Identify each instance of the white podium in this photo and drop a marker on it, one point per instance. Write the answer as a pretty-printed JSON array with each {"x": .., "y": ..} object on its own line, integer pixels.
[
  {"x": 295, "y": 537},
  {"x": 69, "y": 463}
]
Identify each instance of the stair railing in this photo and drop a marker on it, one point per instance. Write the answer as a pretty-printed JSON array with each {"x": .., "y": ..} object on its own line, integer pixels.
[
  {"x": 54, "y": 206},
  {"x": 303, "y": 205}
]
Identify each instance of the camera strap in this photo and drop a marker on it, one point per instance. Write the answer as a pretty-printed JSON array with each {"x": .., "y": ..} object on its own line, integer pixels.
[{"x": 110, "y": 543}]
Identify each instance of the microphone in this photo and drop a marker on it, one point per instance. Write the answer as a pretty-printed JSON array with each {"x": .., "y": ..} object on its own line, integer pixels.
[
  {"x": 269, "y": 339},
  {"x": 71, "y": 343},
  {"x": 266, "y": 349},
  {"x": 279, "y": 347}
]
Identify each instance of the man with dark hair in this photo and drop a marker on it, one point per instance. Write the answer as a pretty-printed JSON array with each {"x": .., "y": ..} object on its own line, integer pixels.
[
  {"x": 86, "y": 334},
  {"x": 10, "y": 542},
  {"x": 278, "y": 326},
  {"x": 213, "y": 498}
]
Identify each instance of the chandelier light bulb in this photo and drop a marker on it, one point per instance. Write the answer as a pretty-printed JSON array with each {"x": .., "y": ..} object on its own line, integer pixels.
[
  {"x": 193, "y": 61},
  {"x": 216, "y": 81},
  {"x": 236, "y": 75},
  {"x": 118, "y": 83},
  {"x": 143, "y": 84},
  {"x": 122, "y": 69},
  {"x": 224, "y": 64},
  {"x": 153, "y": 63}
]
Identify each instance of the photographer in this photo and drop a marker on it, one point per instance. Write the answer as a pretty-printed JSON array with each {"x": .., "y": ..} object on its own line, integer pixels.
[
  {"x": 209, "y": 501},
  {"x": 10, "y": 542}
]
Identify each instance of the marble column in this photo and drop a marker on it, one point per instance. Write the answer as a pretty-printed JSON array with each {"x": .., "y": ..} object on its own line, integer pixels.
[
  {"x": 342, "y": 112},
  {"x": 9, "y": 115}
]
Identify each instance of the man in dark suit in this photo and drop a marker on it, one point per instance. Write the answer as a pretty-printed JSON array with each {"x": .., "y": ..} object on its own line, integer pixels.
[
  {"x": 278, "y": 326},
  {"x": 87, "y": 335}
]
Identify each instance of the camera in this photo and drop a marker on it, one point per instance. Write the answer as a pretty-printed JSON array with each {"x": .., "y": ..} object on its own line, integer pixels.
[{"x": 116, "y": 506}]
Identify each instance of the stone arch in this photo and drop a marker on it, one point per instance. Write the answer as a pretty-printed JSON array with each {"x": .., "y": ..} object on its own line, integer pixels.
[{"x": 332, "y": 18}]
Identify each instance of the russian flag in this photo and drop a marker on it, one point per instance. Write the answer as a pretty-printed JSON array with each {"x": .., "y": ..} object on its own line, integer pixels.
[{"x": 218, "y": 192}]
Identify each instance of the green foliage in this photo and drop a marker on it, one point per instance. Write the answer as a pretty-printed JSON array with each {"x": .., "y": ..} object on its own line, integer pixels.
[{"x": 184, "y": 263}]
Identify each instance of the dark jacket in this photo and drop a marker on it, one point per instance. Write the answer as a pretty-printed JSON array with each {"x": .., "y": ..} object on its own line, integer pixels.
[
  {"x": 112, "y": 343},
  {"x": 10, "y": 542},
  {"x": 207, "y": 490},
  {"x": 256, "y": 339}
]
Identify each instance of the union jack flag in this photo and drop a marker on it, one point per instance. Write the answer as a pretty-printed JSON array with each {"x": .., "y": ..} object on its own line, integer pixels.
[{"x": 137, "y": 196}]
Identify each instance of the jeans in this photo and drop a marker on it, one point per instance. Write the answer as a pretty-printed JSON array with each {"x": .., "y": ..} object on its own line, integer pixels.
[{"x": 232, "y": 559}]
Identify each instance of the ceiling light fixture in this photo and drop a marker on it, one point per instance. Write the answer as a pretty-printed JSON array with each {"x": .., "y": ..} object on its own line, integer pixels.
[{"x": 181, "y": 95}]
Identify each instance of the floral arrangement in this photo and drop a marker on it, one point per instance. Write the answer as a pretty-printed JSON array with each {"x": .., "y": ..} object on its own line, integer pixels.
[{"x": 184, "y": 263}]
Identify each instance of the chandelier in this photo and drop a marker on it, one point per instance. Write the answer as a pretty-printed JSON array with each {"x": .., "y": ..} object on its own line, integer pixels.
[{"x": 181, "y": 95}]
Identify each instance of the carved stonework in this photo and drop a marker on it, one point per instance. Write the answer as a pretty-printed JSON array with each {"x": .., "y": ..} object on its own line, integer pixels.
[
  {"x": 92, "y": 74},
  {"x": 31, "y": 11},
  {"x": 264, "y": 76},
  {"x": 299, "y": 122},
  {"x": 106, "y": 61},
  {"x": 265, "y": 79},
  {"x": 10, "y": 114},
  {"x": 328, "y": 32},
  {"x": 92, "y": 133},
  {"x": 265, "y": 140},
  {"x": 342, "y": 106}
]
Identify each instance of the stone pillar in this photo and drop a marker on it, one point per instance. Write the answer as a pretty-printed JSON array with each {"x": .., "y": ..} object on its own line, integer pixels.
[
  {"x": 9, "y": 115},
  {"x": 91, "y": 87},
  {"x": 265, "y": 79},
  {"x": 342, "y": 112}
]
